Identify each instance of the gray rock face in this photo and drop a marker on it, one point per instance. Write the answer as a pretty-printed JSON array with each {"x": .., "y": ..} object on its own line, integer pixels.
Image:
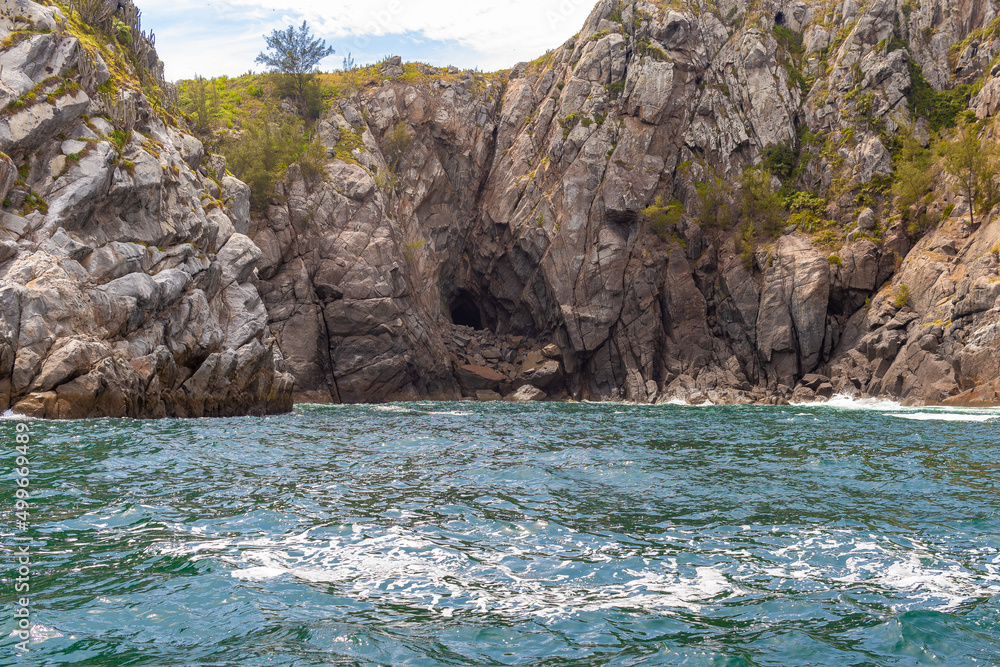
[
  {"x": 505, "y": 248},
  {"x": 791, "y": 323},
  {"x": 941, "y": 346},
  {"x": 8, "y": 174},
  {"x": 116, "y": 298},
  {"x": 39, "y": 122},
  {"x": 517, "y": 213}
]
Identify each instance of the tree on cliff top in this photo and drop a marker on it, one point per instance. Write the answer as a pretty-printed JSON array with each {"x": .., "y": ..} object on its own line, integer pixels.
[{"x": 295, "y": 53}]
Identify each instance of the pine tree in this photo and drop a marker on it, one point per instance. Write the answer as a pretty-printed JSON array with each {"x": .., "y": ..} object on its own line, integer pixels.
[
  {"x": 971, "y": 161},
  {"x": 295, "y": 53}
]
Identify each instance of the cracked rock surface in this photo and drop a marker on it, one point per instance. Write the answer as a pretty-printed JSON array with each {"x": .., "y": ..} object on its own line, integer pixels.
[
  {"x": 516, "y": 215},
  {"x": 127, "y": 289}
]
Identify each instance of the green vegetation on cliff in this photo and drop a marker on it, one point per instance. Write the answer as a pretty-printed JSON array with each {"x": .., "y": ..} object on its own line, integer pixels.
[
  {"x": 116, "y": 35},
  {"x": 258, "y": 121},
  {"x": 243, "y": 119}
]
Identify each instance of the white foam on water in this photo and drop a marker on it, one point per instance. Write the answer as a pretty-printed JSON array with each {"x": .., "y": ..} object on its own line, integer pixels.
[
  {"x": 685, "y": 404},
  {"x": 926, "y": 581},
  {"x": 10, "y": 415},
  {"x": 524, "y": 574},
  {"x": 420, "y": 408},
  {"x": 953, "y": 585},
  {"x": 898, "y": 410},
  {"x": 847, "y": 402},
  {"x": 39, "y": 633},
  {"x": 393, "y": 407},
  {"x": 943, "y": 416},
  {"x": 406, "y": 568},
  {"x": 258, "y": 573}
]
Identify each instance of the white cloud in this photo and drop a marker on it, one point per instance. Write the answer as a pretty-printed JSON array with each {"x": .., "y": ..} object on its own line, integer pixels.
[{"x": 495, "y": 35}]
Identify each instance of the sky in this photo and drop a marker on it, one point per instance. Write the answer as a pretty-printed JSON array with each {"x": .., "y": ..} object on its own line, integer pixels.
[{"x": 223, "y": 37}]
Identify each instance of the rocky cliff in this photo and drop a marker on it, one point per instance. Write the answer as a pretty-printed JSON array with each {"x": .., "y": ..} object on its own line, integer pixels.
[
  {"x": 128, "y": 285},
  {"x": 551, "y": 231},
  {"x": 507, "y": 245}
]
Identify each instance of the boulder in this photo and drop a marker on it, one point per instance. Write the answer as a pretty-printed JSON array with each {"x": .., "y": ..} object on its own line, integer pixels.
[
  {"x": 526, "y": 394},
  {"x": 192, "y": 150},
  {"x": 538, "y": 370},
  {"x": 116, "y": 260},
  {"x": 859, "y": 265},
  {"x": 238, "y": 258},
  {"x": 803, "y": 395},
  {"x": 871, "y": 159},
  {"x": 474, "y": 378},
  {"x": 867, "y": 221},
  {"x": 552, "y": 351},
  {"x": 237, "y": 193},
  {"x": 70, "y": 359},
  {"x": 983, "y": 396},
  {"x": 139, "y": 286},
  {"x": 987, "y": 102},
  {"x": 62, "y": 244},
  {"x": 172, "y": 284},
  {"x": 393, "y": 67},
  {"x": 37, "y": 406},
  {"x": 813, "y": 381},
  {"x": 13, "y": 226},
  {"x": 8, "y": 249}
]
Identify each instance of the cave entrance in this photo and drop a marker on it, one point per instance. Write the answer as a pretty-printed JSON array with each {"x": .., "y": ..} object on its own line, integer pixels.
[
  {"x": 779, "y": 18},
  {"x": 465, "y": 311}
]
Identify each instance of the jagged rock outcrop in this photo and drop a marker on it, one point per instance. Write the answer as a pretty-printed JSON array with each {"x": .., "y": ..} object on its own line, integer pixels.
[
  {"x": 516, "y": 211},
  {"x": 931, "y": 336},
  {"x": 128, "y": 287},
  {"x": 484, "y": 235}
]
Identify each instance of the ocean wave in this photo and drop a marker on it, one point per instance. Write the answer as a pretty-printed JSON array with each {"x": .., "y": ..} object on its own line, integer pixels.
[
  {"x": 847, "y": 402},
  {"x": 10, "y": 415},
  {"x": 919, "y": 413},
  {"x": 395, "y": 407},
  {"x": 681, "y": 402}
]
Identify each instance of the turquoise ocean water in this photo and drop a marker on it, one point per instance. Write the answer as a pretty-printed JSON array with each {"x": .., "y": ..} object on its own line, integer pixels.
[{"x": 499, "y": 534}]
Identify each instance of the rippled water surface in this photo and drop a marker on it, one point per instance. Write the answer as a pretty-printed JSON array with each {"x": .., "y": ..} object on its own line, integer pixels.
[{"x": 498, "y": 534}]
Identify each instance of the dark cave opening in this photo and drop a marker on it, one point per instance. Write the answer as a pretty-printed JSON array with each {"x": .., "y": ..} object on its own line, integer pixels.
[
  {"x": 465, "y": 311},
  {"x": 779, "y": 18}
]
